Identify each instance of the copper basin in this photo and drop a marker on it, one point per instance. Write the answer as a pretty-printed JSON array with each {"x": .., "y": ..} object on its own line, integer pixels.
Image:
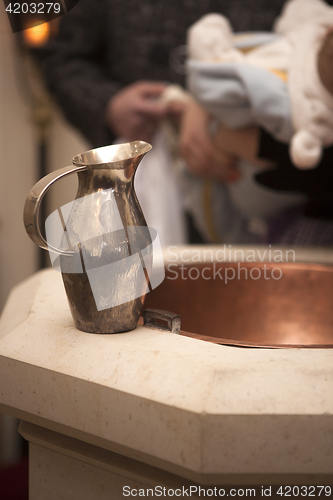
[{"x": 250, "y": 305}]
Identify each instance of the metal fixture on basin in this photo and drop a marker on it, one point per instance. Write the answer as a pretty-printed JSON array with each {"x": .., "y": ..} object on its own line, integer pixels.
[{"x": 292, "y": 308}]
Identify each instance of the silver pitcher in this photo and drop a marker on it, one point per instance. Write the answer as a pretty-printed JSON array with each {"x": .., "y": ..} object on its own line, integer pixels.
[{"x": 100, "y": 242}]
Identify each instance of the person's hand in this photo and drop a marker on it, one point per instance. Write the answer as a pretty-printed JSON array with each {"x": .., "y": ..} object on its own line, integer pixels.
[
  {"x": 134, "y": 112},
  {"x": 243, "y": 143},
  {"x": 198, "y": 150}
]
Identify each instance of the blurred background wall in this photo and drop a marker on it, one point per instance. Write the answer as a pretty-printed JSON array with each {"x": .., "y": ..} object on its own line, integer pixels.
[{"x": 20, "y": 90}]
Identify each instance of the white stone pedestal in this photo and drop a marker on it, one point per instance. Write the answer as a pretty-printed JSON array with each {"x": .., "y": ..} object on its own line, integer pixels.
[{"x": 149, "y": 408}]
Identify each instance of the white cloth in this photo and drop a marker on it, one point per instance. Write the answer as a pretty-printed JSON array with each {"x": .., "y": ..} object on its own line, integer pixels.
[
  {"x": 304, "y": 23},
  {"x": 157, "y": 188},
  {"x": 210, "y": 40}
]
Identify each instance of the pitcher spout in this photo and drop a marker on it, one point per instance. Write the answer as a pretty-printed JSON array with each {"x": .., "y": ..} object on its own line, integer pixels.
[{"x": 116, "y": 156}]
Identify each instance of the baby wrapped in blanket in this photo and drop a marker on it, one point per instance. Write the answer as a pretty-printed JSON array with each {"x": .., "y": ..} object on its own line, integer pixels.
[{"x": 269, "y": 80}]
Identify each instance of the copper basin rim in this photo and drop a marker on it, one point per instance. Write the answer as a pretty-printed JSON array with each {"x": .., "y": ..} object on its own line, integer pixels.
[{"x": 245, "y": 305}]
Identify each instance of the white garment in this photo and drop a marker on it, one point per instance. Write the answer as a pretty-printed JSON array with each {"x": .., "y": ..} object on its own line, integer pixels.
[
  {"x": 304, "y": 24},
  {"x": 296, "y": 13},
  {"x": 157, "y": 189},
  {"x": 311, "y": 103}
]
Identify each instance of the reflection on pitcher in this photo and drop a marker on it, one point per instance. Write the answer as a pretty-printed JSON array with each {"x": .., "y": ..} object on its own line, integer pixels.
[{"x": 108, "y": 257}]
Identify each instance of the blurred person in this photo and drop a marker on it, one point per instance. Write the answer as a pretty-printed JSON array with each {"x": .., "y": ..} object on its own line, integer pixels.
[{"x": 111, "y": 63}]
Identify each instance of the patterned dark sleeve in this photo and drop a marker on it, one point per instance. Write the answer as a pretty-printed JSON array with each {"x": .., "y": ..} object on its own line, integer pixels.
[{"x": 74, "y": 69}]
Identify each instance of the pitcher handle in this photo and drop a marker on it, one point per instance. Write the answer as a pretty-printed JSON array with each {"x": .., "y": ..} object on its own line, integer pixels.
[{"x": 31, "y": 214}]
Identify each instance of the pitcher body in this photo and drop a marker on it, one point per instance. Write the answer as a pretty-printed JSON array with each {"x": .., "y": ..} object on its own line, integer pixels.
[{"x": 100, "y": 242}]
